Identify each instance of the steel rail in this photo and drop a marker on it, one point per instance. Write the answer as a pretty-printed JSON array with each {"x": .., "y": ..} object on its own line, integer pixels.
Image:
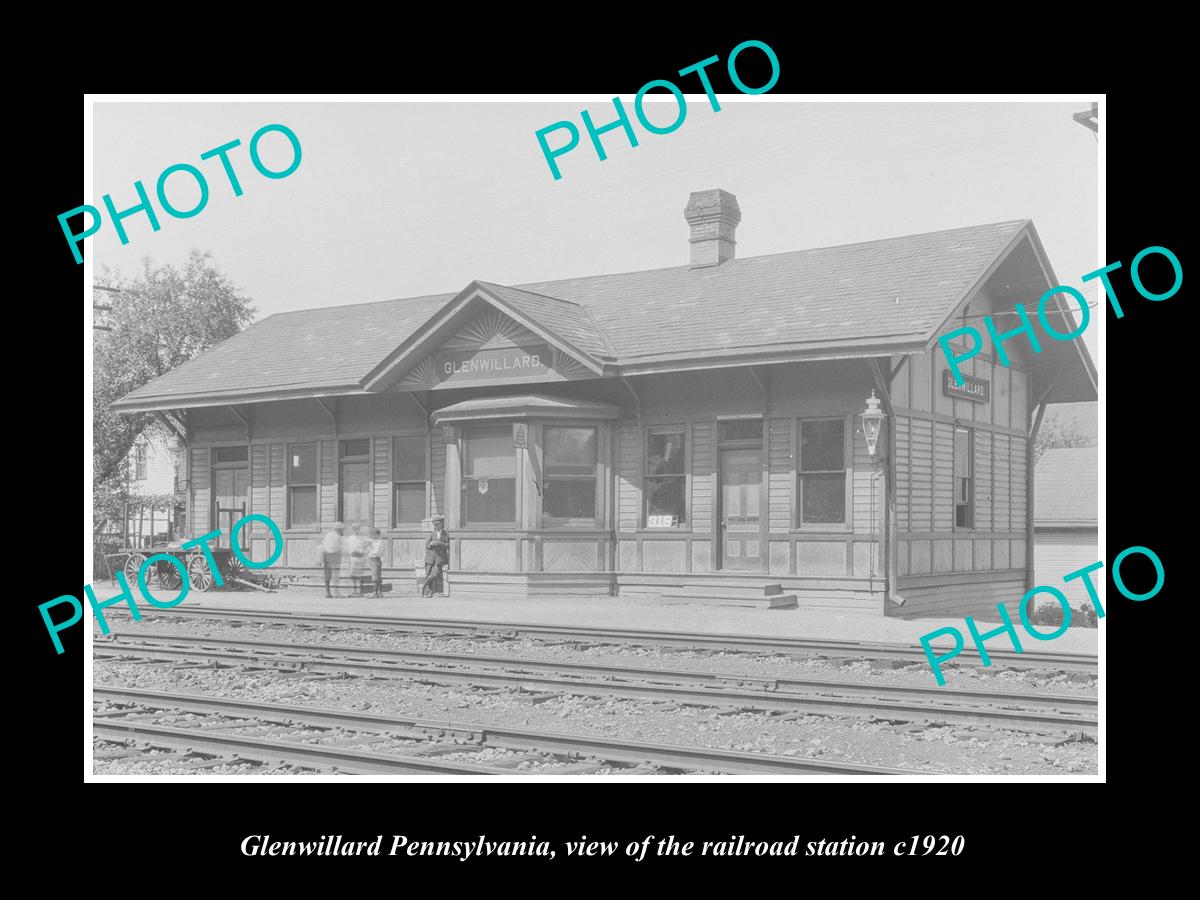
[
  {"x": 992, "y": 716},
  {"x": 359, "y": 762},
  {"x": 1057, "y": 702},
  {"x": 610, "y": 749},
  {"x": 695, "y": 640}
]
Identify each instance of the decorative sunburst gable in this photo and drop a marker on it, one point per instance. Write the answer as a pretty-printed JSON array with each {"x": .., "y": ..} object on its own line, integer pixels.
[
  {"x": 492, "y": 334},
  {"x": 489, "y": 330},
  {"x": 492, "y": 348}
]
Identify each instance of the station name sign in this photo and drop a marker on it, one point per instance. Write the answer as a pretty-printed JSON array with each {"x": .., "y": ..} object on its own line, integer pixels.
[
  {"x": 498, "y": 364},
  {"x": 977, "y": 389}
]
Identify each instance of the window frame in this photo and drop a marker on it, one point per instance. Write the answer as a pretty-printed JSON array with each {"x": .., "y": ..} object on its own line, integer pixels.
[
  {"x": 424, "y": 437},
  {"x": 464, "y": 480},
  {"x": 685, "y": 429},
  {"x": 549, "y": 522},
  {"x": 141, "y": 468},
  {"x": 954, "y": 501},
  {"x": 315, "y": 525},
  {"x": 847, "y": 472}
]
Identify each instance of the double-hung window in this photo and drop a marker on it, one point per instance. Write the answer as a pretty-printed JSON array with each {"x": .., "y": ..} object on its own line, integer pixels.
[
  {"x": 489, "y": 481},
  {"x": 570, "y": 488},
  {"x": 409, "y": 479},
  {"x": 302, "y": 484},
  {"x": 821, "y": 472},
  {"x": 665, "y": 478}
]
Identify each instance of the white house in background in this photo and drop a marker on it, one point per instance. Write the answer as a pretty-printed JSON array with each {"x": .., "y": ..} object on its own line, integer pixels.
[
  {"x": 1065, "y": 533},
  {"x": 155, "y": 470}
]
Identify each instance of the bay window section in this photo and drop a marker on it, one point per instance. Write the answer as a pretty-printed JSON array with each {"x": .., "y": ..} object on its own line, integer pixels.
[
  {"x": 489, "y": 481},
  {"x": 665, "y": 478},
  {"x": 570, "y": 481}
]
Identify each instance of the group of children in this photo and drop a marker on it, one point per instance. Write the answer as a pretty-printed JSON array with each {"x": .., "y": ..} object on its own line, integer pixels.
[{"x": 355, "y": 556}]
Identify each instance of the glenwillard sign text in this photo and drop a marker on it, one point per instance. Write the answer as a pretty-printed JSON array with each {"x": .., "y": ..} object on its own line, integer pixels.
[
  {"x": 497, "y": 363},
  {"x": 976, "y": 389}
]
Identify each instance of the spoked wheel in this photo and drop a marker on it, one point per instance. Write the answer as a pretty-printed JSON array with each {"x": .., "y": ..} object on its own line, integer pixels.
[
  {"x": 132, "y": 565},
  {"x": 199, "y": 574},
  {"x": 168, "y": 576}
]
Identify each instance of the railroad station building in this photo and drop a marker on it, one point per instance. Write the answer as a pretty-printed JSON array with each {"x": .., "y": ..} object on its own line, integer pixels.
[{"x": 689, "y": 430}]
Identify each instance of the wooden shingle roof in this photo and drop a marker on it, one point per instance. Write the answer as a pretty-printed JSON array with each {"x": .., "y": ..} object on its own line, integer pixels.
[{"x": 881, "y": 296}]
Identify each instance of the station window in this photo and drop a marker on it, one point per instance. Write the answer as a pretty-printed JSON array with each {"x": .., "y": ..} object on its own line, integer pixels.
[
  {"x": 302, "y": 485},
  {"x": 821, "y": 472},
  {"x": 489, "y": 481},
  {"x": 139, "y": 462},
  {"x": 569, "y": 491},
  {"x": 964, "y": 478},
  {"x": 230, "y": 454},
  {"x": 665, "y": 478},
  {"x": 409, "y": 476}
]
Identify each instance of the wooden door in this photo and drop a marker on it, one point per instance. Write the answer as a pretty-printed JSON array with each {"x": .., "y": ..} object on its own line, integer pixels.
[
  {"x": 356, "y": 493},
  {"x": 231, "y": 492},
  {"x": 741, "y": 519}
]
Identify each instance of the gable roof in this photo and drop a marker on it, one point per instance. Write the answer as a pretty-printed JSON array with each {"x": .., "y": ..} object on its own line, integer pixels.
[
  {"x": 1065, "y": 487},
  {"x": 872, "y": 298}
]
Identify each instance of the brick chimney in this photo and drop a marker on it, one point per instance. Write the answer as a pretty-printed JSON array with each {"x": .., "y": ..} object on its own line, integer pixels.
[{"x": 714, "y": 216}]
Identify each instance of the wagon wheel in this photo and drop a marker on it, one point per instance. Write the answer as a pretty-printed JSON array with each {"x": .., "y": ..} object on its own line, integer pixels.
[
  {"x": 199, "y": 574},
  {"x": 168, "y": 575},
  {"x": 132, "y": 565}
]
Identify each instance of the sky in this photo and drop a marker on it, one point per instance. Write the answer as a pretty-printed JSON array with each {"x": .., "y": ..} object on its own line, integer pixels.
[{"x": 404, "y": 199}]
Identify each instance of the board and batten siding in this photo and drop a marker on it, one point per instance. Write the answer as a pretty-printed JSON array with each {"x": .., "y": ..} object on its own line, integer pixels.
[{"x": 944, "y": 569}]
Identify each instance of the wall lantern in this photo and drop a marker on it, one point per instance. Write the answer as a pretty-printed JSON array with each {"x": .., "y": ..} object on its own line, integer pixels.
[{"x": 872, "y": 418}]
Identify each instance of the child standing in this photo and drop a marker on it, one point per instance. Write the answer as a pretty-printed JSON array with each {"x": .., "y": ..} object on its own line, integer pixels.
[{"x": 375, "y": 557}]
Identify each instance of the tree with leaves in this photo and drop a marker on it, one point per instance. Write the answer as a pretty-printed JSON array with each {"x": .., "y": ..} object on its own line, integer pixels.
[
  {"x": 160, "y": 319},
  {"x": 1060, "y": 432}
]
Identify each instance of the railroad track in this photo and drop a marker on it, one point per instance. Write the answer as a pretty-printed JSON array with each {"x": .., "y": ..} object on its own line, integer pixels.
[
  {"x": 1041, "y": 712},
  {"x": 820, "y": 647},
  {"x": 129, "y": 714}
]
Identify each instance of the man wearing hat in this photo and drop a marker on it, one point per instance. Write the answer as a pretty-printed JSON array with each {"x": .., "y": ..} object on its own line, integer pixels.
[
  {"x": 331, "y": 553},
  {"x": 437, "y": 557}
]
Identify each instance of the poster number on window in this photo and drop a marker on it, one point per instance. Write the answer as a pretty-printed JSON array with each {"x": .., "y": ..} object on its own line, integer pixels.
[{"x": 662, "y": 521}]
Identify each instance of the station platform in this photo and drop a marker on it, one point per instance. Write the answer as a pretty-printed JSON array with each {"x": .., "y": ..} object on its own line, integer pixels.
[{"x": 631, "y": 612}]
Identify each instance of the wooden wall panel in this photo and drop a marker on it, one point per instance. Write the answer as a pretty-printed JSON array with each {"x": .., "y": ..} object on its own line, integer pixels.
[
  {"x": 629, "y": 479},
  {"x": 201, "y": 491},
  {"x": 260, "y": 482},
  {"x": 922, "y": 381},
  {"x": 921, "y": 516},
  {"x": 943, "y": 476},
  {"x": 329, "y": 482},
  {"x": 1001, "y": 493},
  {"x": 381, "y": 483},
  {"x": 1001, "y": 403},
  {"x": 1017, "y": 462},
  {"x": 277, "y": 476},
  {"x": 862, "y": 486},
  {"x": 703, "y": 478},
  {"x": 437, "y": 476},
  {"x": 903, "y": 482},
  {"x": 779, "y": 479},
  {"x": 1020, "y": 400},
  {"x": 983, "y": 481},
  {"x": 900, "y": 383}
]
